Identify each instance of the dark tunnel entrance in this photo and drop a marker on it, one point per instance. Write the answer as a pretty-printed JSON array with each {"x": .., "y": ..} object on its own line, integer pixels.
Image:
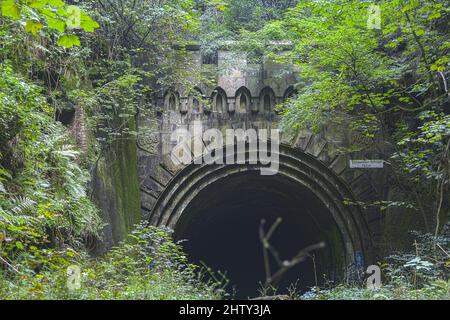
[{"x": 221, "y": 226}]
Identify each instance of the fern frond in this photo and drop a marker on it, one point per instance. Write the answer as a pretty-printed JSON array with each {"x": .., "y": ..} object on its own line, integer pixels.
[
  {"x": 70, "y": 154},
  {"x": 7, "y": 218},
  {"x": 22, "y": 205}
]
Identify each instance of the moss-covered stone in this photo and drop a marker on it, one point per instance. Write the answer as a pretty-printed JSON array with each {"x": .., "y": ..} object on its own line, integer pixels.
[{"x": 116, "y": 189}]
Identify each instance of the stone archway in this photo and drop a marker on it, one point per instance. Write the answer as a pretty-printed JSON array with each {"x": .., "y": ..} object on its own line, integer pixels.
[
  {"x": 316, "y": 192},
  {"x": 205, "y": 203}
]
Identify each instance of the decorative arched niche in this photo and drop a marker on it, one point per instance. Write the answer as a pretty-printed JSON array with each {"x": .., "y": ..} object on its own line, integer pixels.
[
  {"x": 172, "y": 101},
  {"x": 195, "y": 101},
  {"x": 289, "y": 93},
  {"x": 243, "y": 100},
  {"x": 267, "y": 100},
  {"x": 219, "y": 100}
]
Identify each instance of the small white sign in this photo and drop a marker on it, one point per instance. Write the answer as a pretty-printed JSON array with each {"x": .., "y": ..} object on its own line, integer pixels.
[{"x": 366, "y": 164}]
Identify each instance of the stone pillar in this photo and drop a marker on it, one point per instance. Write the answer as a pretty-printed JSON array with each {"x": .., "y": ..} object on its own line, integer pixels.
[
  {"x": 232, "y": 106},
  {"x": 184, "y": 106},
  {"x": 254, "y": 106}
]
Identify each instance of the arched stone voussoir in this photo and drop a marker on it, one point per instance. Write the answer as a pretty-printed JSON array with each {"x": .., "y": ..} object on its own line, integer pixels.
[{"x": 294, "y": 164}]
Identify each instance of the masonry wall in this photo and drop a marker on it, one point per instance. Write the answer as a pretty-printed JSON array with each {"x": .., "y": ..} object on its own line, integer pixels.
[{"x": 244, "y": 96}]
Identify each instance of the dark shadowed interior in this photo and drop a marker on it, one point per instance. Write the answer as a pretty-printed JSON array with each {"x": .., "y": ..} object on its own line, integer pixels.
[{"x": 221, "y": 226}]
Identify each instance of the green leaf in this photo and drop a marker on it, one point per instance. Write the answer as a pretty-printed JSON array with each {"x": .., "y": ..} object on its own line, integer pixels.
[
  {"x": 73, "y": 14},
  {"x": 33, "y": 26},
  {"x": 68, "y": 41},
  {"x": 420, "y": 32},
  {"x": 37, "y": 4},
  {"x": 56, "y": 23},
  {"x": 87, "y": 24},
  {"x": 10, "y": 9},
  {"x": 56, "y": 3},
  {"x": 62, "y": 12}
]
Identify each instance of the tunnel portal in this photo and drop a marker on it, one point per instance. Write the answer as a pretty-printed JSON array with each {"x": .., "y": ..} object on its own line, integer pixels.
[
  {"x": 217, "y": 211},
  {"x": 221, "y": 226},
  {"x": 218, "y": 208}
]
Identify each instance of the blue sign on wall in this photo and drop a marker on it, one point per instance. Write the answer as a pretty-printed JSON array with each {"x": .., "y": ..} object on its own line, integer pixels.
[{"x": 359, "y": 259}]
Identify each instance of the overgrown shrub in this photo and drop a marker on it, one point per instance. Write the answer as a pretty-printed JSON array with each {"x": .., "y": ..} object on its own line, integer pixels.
[
  {"x": 422, "y": 273},
  {"x": 148, "y": 265},
  {"x": 43, "y": 199}
]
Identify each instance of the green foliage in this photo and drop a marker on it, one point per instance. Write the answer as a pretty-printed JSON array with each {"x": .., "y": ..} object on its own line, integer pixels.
[
  {"x": 223, "y": 22},
  {"x": 389, "y": 83},
  {"x": 53, "y": 15},
  {"x": 47, "y": 220},
  {"x": 427, "y": 261},
  {"x": 148, "y": 265},
  {"x": 252, "y": 15},
  {"x": 18, "y": 102},
  {"x": 349, "y": 69},
  {"x": 340, "y": 65},
  {"x": 43, "y": 199},
  {"x": 437, "y": 290},
  {"x": 422, "y": 150},
  {"x": 112, "y": 107},
  {"x": 422, "y": 273}
]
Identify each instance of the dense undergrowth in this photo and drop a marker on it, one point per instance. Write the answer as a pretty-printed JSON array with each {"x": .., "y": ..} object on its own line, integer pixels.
[
  {"x": 421, "y": 273},
  {"x": 43, "y": 195},
  {"x": 148, "y": 265},
  {"x": 436, "y": 290}
]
